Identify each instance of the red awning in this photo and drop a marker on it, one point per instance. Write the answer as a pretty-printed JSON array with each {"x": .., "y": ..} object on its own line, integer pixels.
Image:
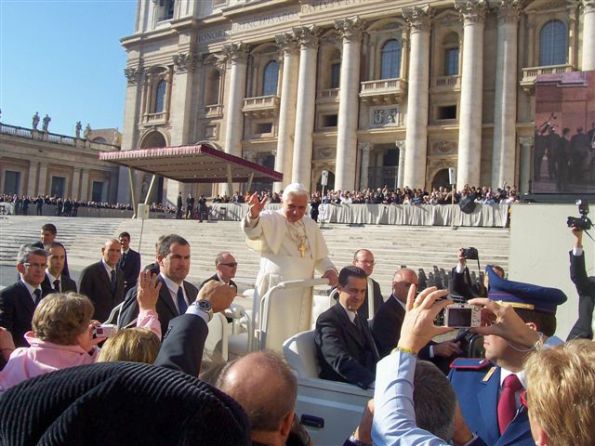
[{"x": 192, "y": 164}]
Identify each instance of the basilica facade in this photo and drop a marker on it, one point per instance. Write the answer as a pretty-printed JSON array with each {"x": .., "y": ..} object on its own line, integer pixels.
[{"x": 376, "y": 92}]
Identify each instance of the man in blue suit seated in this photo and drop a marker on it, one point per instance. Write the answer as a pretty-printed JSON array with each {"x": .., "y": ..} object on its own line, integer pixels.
[{"x": 489, "y": 390}]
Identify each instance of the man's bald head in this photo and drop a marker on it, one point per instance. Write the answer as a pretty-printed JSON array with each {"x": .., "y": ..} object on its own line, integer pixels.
[
  {"x": 264, "y": 386},
  {"x": 402, "y": 280}
]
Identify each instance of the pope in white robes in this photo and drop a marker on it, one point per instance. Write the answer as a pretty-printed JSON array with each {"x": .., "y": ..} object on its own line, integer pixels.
[{"x": 291, "y": 248}]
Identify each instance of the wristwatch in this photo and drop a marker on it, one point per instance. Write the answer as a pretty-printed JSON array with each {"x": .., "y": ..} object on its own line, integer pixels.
[{"x": 205, "y": 306}]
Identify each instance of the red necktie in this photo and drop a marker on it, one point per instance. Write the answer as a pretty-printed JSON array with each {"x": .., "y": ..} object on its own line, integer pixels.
[{"x": 507, "y": 401}]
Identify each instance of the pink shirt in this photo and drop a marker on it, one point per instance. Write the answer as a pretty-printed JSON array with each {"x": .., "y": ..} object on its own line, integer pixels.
[
  {"x": 40, "y": 358},
  {"x": 44, "y": 357}
]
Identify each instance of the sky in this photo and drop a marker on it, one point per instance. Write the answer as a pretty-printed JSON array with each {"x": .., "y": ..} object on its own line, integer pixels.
[{"x": 64, "y": 58}]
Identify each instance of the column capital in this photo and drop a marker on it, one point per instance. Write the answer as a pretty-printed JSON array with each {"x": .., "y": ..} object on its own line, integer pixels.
[
  {"x": 588, "y": 6},
  {"x": 472, "y": 11},
  {"x": 419, "y": 18},
  {"x": 350, "y": 28},
  {"x": 287, "y": 42},
  {"x": 133, "y": 74},
  {"x": 400, "y": 144},
  {"x": 236, "y": 52},
  {"x": 184, "y": 62},
  {"x": 364, "y": 147},
  {"x": 508, "y": 10},
  {"x": 307, "y": 35}
]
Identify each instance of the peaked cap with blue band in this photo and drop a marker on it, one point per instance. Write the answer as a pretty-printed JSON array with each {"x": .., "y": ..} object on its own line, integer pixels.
[{"x": 524, "y": 295}]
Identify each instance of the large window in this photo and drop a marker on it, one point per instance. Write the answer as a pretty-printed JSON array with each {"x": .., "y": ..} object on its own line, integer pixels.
[
  {"x": 553, "y": 43},
  {"x": 160, "y": 97},
  {"x": 212, "y": 93},
  {"x": 97, "y": 191},
  {"x": 451, "y": 61},
  {"x": 270, "y": 79},
  {"x": 390, "y": 67},
  {"x": 166, "y": 9},
  {"x": 335, "y": 75}
]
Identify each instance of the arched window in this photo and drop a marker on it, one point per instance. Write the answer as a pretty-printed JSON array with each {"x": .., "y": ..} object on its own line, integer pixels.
[
  {"x": 390, "y": 55},
  {"x": 553, "y": 43},
  {"x": 160, "y": 97},
  {"x": 270, "y": 78}
]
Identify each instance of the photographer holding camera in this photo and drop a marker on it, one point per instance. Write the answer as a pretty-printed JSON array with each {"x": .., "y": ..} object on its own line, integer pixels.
[
  {"x": 585, "y": 286},
  {"x": 461, "y": 283}
]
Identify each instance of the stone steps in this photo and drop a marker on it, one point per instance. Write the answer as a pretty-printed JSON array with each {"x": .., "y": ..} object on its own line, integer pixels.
[{"x": 393, "y": 246}]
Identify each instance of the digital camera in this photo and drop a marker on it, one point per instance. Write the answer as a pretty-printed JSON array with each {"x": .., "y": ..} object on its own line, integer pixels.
[
  {"x": 583, "y": 222},
  {"x": 105, "y": 331},
  {"x": 471, "y": 253},
  {"x": 462, "y": 316}
]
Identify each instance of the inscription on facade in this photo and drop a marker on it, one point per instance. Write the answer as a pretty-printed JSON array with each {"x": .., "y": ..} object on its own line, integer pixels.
[
  {"x": 264, "y": 20},
  {"x": 212, "y": 36},
  {"x": 321, "y": 5}
]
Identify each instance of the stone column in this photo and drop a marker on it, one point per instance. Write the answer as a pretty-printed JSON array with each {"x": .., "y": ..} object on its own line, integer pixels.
[
  {"x": 503, "y": 154},
  {"x": 283, "y": 160},
  {"x": 76, "y": 183},
  {"x": 181, "y": 99},
  {"x": 401, "y": 172},
  {"x": 43, "y": 179},
  {"x": 351, "y": 32},
  {"x": 525, "y": 164},
  {"x": 304, "y": 121},
  {"x": 588, "y": 53},
  {"x": 364, "y": 148},
  {"x": 237, "y": 55},
  {"x": 32, "y": 181},
  {"x": 85, "y": 186},
  {"x": 470, "y": 117},
  {"x": 416, "y": 138},
  {"x": 132, "y": 118}
]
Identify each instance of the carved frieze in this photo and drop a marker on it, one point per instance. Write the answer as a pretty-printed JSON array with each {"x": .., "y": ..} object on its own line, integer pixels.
[
  {"x": 444, "y": 147},
  {"x": 382, "y": 117}
]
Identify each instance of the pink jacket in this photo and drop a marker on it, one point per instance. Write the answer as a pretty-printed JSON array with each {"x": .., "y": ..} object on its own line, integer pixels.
[
  {"x": 40, "y": 358},
  {"x": 45, "y": 357}
]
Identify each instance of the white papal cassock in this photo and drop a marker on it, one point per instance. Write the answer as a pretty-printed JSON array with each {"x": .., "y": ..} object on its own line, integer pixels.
[{"x": 289, "y": 251}]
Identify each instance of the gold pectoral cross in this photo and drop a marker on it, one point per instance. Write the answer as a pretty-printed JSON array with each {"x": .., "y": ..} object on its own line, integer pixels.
[{"x": 302, "y": 247}]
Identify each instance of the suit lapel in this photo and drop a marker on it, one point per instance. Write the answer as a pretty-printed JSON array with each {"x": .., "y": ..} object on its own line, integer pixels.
[
  {"x": 517, "y": 430},
  {"x": 487, "y": 398},
  {"x": 350, "y": 328},
  {"x": 26, "y": 298}
]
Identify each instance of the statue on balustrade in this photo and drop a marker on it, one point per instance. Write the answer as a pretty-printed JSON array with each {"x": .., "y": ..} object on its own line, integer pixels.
[
  {"x": 77, "y": 128},
  {"x": 46, "y": 123},
  {"x": 35, "y": 120}
]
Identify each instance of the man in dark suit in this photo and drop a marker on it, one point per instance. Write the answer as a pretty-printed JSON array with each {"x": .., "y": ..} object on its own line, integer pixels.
[
  {"x": 102, "y": 282},
  {"x": 189, "y": 206},
  {"x": 18, "y": 301},
  {"x": 55, "y": 281},
  {"x": 47, "y": 237},
  {"x": 344, "y": 345},
  {"x": 129, "y": 263},
  {"x": 225, "y": 270},
  {"x": 364, "y": 259},
  {"x": 386, "y": 326},
  {"x": 585, "y": 286},
  {"x": 176, "y": 294}
]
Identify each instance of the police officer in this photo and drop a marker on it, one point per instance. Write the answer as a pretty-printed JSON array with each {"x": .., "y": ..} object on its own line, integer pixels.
[{"x": 488, "y": 390}]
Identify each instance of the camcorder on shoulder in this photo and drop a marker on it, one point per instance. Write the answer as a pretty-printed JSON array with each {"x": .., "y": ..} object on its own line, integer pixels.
[{"x": 583, "y": 222}]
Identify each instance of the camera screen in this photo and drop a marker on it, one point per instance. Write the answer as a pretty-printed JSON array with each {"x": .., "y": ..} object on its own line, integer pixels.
[{"x": 459, "y": 317}]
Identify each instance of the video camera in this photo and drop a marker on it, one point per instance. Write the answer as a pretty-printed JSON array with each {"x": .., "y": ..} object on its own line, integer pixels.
[{"x": 583, "y": 222}]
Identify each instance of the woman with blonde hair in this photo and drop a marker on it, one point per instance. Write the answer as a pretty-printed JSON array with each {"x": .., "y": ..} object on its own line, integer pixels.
[
  {"x": 561, "y": 394},
  {"x": 131, "y": 344}
]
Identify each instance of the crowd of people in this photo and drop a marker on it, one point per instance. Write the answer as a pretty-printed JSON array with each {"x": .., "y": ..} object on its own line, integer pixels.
[{"x": 50, "y": 329}]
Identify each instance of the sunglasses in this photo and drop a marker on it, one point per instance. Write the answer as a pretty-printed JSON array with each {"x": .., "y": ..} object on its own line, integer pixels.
[{"x": 231, "y": 265}]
